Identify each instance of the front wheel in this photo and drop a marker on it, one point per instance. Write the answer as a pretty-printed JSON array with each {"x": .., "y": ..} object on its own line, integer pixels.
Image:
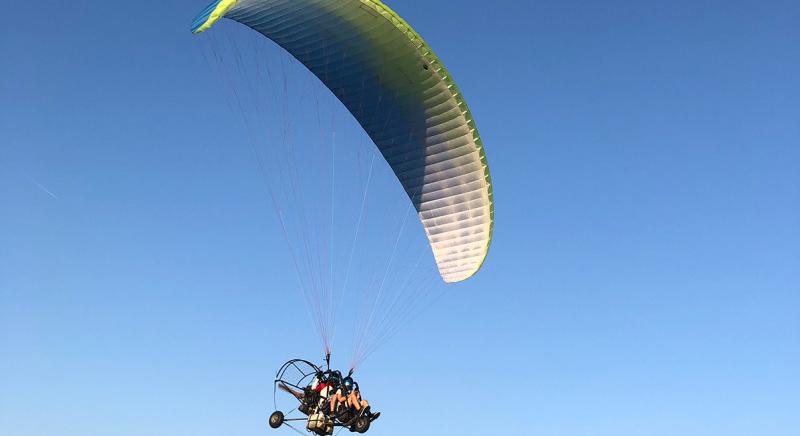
[
  {"x": 276, "y": 419},
  {"x": 362, "y": 424}
]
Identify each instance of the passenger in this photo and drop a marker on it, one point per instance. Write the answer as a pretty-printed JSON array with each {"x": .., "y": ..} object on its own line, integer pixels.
[{"x": 355, "y": 401}]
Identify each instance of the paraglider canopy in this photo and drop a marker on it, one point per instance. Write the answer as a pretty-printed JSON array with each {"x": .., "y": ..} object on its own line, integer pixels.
[{"x": 397, "y": 89}]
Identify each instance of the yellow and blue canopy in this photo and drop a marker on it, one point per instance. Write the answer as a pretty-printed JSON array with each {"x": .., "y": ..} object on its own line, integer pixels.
[{"x": 405, "y": 99}]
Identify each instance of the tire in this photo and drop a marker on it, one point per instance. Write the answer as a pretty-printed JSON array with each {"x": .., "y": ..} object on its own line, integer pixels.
[
  {"x": 276, "y": 419},
  {"x": 362, "y": 424}
]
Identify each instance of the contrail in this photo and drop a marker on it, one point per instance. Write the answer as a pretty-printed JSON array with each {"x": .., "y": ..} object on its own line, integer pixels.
[{"x": 40, "y": 186}]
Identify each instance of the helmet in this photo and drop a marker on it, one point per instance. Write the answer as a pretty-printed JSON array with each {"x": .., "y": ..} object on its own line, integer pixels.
[
  {"x": 347, "y": 382},
  {"x": 334, "y": 378}
]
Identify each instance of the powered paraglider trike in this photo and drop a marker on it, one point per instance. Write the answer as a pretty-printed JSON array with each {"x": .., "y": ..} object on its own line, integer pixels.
[{"x": 306, "y": 391}]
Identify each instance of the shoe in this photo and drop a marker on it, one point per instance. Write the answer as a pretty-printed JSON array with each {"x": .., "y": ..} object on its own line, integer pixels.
[{"x": 375, "y": 416}]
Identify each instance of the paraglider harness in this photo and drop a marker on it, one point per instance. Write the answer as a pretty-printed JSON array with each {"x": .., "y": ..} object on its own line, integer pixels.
[{"x": 314, "y": 390}]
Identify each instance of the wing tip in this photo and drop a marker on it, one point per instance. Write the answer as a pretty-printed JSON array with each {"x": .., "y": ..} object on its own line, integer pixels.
[{"x": 211, "y": 14}]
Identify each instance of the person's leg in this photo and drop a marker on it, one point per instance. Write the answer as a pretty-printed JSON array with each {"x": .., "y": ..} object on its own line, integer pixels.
[
  {"x": 354, "y": 402},
  {"x": 334, "y": 402}
]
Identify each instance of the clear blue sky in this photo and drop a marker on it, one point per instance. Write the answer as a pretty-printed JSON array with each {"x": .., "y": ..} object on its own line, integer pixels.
[{"x": 644, "y": 277}]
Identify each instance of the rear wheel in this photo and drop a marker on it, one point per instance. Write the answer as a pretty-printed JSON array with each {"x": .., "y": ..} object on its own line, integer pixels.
[{"x": 276, "y": 419}]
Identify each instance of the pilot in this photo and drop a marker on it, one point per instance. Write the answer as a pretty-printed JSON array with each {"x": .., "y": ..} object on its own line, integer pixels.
[{"x": 340, "y": 396}]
